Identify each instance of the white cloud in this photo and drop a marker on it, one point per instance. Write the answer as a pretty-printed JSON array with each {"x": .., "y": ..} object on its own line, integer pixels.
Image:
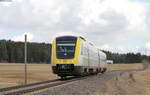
[
  {"x": 104, "y": 22},
  {"x": 1, "y": 33},
  {"x": 147, "y": 45},
  {"x": 145, "y": 49},
  {"x": 131, "y": 10},
  {"x": 116, "y": 49},
  {"x": 22, "y": 37},
  {"x": 7, "y": 4}
]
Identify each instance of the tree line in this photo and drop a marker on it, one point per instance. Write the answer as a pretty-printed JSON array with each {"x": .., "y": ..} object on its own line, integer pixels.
[
  {"x": 13, "y": 52},
  {"x": 127, "y": 58}
]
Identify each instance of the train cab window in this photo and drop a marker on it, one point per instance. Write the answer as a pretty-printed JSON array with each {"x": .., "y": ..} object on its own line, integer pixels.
[
  {"x": 69, "y": 48},
  {"x": 65, "y": 47}
]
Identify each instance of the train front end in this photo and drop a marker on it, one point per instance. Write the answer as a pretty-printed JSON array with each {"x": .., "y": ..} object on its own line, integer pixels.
[{"x": 65, "y": 51}]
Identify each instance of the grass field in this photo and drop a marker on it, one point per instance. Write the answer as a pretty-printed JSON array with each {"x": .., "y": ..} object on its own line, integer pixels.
[
  {"x": 124, "y": 66},
  {"x": 13, "y": 74},
  {"x": 129, "y": 83}
]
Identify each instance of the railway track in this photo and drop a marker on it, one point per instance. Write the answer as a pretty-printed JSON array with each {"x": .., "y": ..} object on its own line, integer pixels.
[
  {"x": 28, "y": 88},
  {"x": 33, "y": 87}
]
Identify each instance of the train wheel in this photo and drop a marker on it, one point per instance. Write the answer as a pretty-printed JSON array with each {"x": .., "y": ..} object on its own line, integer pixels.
[
  {"x": 104, "y": 70},
  {"x": 97, "y": 71}
]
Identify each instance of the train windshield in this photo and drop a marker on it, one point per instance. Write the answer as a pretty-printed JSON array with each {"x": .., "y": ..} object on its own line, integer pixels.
[{"x": 65, "y": 48}]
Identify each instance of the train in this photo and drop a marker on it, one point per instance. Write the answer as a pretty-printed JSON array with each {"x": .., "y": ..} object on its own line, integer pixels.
[{"x": 74, "y": 56}]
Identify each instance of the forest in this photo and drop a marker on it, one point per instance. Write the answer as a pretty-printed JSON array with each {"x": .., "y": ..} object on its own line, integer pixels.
[
  {"x": 126, "y": 58},
  {"x": 13, "y": 52}
]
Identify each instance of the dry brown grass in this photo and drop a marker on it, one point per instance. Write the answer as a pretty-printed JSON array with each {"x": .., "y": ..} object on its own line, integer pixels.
[
  {"x": 124, "y": 66},
  {"x": 130, "y": 83},
  {"x": 13, "y": 74}
]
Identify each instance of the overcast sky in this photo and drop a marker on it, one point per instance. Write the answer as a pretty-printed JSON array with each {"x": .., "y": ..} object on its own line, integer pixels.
[{"x": 116, "y": 25}]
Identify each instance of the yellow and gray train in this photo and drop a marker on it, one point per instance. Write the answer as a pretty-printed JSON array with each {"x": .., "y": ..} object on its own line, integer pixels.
[{"x": 74, "y": 56}]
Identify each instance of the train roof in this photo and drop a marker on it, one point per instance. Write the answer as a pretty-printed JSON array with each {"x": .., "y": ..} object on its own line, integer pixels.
[{"x": 72, "y": 36}]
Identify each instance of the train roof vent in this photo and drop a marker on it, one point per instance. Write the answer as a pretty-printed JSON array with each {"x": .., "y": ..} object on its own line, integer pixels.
[
  {"x": 91, "y": 44},
  {"x": 82, "y": 38}
]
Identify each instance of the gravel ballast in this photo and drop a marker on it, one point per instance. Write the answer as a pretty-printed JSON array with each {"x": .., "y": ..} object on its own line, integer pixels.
[{"x": 87, "y": 86}]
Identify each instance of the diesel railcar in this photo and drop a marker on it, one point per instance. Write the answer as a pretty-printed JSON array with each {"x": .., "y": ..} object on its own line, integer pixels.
[{"x": 74, "y": 56}]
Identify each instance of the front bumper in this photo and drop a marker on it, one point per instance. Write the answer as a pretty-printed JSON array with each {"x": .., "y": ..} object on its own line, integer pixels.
[{"x": 67, "y": 70}]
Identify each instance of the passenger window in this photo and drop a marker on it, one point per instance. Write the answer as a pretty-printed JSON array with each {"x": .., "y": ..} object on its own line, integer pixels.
[{"x": 81, "y": 49}]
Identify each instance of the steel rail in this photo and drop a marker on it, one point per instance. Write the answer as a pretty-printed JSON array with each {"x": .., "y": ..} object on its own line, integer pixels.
[
  {"x": 33, "y": 89},
  {"x": 26, "y": 85}
]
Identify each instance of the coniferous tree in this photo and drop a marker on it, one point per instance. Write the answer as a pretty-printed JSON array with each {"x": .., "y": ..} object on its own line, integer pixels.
[{"x": 3, "y": 52}]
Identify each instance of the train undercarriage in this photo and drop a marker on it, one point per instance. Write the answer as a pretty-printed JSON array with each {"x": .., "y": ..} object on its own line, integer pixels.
[{"x": 64, "y": 70}]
